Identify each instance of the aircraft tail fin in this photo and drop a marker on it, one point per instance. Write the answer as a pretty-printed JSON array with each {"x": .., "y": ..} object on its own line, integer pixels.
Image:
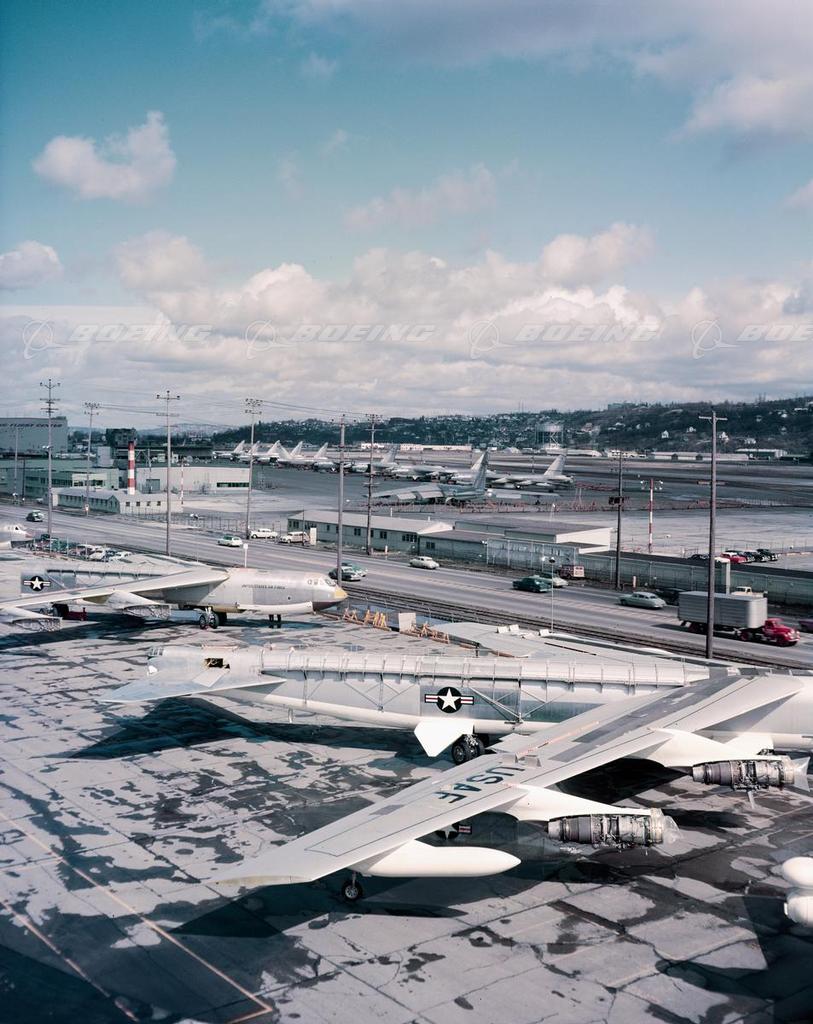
[
  {"x": 556, "y": 467},
  {"x": 321, "y": 453},
  {"x": 480, "y": 477},
  {"x": 297, "y": 449}
]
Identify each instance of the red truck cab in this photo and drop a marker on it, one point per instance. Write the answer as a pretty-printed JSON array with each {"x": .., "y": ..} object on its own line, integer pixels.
[{"x": 773, "y": 631}]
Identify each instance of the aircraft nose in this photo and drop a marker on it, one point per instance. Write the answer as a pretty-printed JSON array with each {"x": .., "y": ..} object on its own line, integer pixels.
[{"x": 337, "y": 596}]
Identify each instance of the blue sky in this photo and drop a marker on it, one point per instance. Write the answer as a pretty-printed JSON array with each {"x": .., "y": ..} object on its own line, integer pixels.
[{"x": 474, "y": 135}]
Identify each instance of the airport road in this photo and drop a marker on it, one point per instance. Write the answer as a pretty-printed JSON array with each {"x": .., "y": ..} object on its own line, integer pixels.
[{"x": 479, "y": 593}]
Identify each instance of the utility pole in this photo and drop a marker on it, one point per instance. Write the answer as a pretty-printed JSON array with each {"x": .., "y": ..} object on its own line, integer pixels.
[
  {"x": 16, "y": 453},
  {"x": 340, "y": 518},
  {"x": 620, "y": 501},
  {"x": 167, "y": 397},
  {"x": 369, "y": 538},
  {"x": 90, "y": 409},
  {"x": 50, "y": 405},
  {"x": 653, "y": 484},
  {"x": 253, "y": 408},
  {"x": 714, "y": 419}
]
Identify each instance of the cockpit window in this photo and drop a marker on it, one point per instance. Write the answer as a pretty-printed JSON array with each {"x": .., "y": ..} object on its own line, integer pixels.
[{"x": 215, "y": 663}]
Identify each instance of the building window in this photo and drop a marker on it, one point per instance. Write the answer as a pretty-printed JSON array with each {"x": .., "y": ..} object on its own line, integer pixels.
[
  {"x": 430, "y": 544},
  {"x": 383, "y": 534},
  {"x": 356, "y": 531},
  {"x": 409, "y": 537}
]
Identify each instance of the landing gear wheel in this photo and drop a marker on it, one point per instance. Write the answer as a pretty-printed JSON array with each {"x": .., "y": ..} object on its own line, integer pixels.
[
  {"x": 203, "y": 621},
  {"x": 222, "y": 618},
  {"x": 466, "y": 749},
  {"x": 208, "y": 619},
  {"x": 352, "y": 891}
]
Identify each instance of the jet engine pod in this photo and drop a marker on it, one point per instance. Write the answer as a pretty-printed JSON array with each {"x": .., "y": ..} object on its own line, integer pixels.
[
  {"x": 649, "y": 828},
  {"x": 419, "y": 860},
  {"x": 799, "y": 902},
  {"x": 760, "y": 773}
]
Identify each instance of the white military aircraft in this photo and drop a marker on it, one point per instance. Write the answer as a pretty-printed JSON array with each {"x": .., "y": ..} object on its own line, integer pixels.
[
  {"x": 726, "y": 730},
  {"x": 382, "y": 466},
  {"x": 554, "y": 476},
  {"x": 462, "y": 702},
  {"x": 298, "y": 459},
  {"x": 474, "y": 489},
  {"x": 215, "y": 591}
]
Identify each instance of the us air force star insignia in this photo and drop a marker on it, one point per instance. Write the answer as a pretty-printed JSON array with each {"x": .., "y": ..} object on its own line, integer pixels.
[
  {"x": 37, "y": 583},
  {"x": 448, "y": 699}
]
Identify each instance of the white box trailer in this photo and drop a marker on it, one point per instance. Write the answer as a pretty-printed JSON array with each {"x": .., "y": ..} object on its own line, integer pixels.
[{"x": 736, "y": 611}]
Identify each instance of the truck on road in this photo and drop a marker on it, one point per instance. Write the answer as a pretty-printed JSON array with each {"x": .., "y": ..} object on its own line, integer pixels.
[{"x": 740, "y": 616}]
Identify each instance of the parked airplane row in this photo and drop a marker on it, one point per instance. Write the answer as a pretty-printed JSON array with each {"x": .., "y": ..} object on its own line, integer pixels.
[{"x": 552, "y": 478}]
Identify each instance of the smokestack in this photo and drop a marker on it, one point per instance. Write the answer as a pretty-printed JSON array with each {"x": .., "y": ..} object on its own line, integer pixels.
[{"x": 131, "y": 487}]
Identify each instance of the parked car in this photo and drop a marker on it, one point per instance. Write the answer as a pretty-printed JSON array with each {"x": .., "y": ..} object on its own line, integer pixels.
[
  {"x": 117, "y": 556},
  {"x": 295, "y": 537},
  {"x": 35, "y": 516},
  {"x": 642, "y": 599},
  {"x": 263, "y": 533},
  {"x": 424, "y": 562},
  {"x": 553, "y": 579},
  {"x": 669, "y": 594},
  {"x": 350, "y": 572},
  {"x": 230, "y": 540},
  {"x": 806, "y": 625},
  {"x": 735, "y": 557},
  {"x": 768, "y": 555},
  {"x": 533, "y": 584}
]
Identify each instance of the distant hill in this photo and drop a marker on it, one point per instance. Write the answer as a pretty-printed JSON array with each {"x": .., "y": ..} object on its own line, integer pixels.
[{"x": 785, "y": 424}]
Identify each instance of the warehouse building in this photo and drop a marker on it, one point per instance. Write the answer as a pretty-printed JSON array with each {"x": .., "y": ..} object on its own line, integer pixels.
[
  {"x": 196, "y": 479},
  {"x": 28, "y": 478},
  {"x": 107, "y": 500},
  {"x": 389, "y": 533}
]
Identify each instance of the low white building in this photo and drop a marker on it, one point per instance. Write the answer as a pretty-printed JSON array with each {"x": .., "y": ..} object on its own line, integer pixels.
[
  {"x": 102, "y": 499},
  {"x": 390, "y": 533}
]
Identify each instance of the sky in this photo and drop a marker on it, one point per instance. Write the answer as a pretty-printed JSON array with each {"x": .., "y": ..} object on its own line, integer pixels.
[{"x": 404, "y": 207}]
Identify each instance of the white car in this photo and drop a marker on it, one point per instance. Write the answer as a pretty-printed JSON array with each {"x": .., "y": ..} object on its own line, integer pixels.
[
  {"x": 424, "y": 562},
  {"x": 263, "y": 533},
  {"x": 230, "y": 540},
  {"x": 296, "y": 537}
]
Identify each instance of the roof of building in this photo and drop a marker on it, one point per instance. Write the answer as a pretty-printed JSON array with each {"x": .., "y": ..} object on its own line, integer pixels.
[
  {"x": 531, "y": 524},
  {"x": 107, "y": 492},
  {"x": 405, "y": 523}
]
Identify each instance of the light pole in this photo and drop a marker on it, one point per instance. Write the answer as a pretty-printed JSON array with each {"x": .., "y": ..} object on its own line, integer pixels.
[
  {"x": 714, "y": 419},
  {"x": 253, "y": 408},
  {"x": 369, "y": 532},
  {"x": 552, "y": 563},
  {"x": 90, "y": 409},
  {"x": 167, "y": 397},
  {"x": 50, "y": 405},
  {"x": 340, "y": 517},
  {"x": 619, "y": 498}
]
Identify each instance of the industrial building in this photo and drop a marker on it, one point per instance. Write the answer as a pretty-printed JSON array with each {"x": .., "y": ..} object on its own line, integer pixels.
[
  {"x": 113, "y": 502},
  {"x": 28, "y": 478},
  {"x": 388, "y": 533},
  {"x": 584, "y": 537},
  {"x": 28, "y": 435},
  {"x": 196, "y": 479}
]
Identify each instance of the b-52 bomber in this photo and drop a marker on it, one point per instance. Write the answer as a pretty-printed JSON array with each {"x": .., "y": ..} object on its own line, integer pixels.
[{"x": 725, "y": 729}]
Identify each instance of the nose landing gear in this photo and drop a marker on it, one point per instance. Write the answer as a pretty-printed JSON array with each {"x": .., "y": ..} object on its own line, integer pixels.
[
  {"x": 351, "y": 889},
  {"x": 208, "y": 619}
]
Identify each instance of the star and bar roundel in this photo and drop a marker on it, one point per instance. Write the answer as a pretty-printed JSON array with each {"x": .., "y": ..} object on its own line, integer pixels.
[
  {"x": 36, "y": 583},
  {"x": 448, "y": 699}
]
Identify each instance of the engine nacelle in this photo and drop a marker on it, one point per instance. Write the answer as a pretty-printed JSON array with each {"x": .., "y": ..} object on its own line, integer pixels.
[
  {"x": 764, "y": 773},
  {"x": 649, "y": 828},
  {"x": 799, "y": 906}
]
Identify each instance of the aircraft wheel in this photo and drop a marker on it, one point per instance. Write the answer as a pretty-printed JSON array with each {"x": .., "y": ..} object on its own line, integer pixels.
[
  {"x": 467, "y": 748},
  {"x": 222, "y": 618},
  {"x": 352, "y": 891},
  {"x": 203, "y": 622}
]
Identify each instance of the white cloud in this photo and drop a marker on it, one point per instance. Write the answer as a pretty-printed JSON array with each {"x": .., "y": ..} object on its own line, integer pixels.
[
  {"x": 576, "y": 259},
  {"x": 747, "y": 68},
  {"x": 317, "y": 67},
  {"x": 158, "y": 261},
  {"x": 335, "y": 142},
  {"x": 30, "y": 264},
  {"x": 129, "y": 168},
  {"x": 802, "y": 198},
  {"x": 449, "y": 195}
]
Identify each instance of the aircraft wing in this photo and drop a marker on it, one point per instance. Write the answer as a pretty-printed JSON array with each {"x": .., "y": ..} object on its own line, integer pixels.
[
  {"x": 515, "y": 767},
  {"x": 45, "y": 591},
  {"x": 210, "y": 681}
]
